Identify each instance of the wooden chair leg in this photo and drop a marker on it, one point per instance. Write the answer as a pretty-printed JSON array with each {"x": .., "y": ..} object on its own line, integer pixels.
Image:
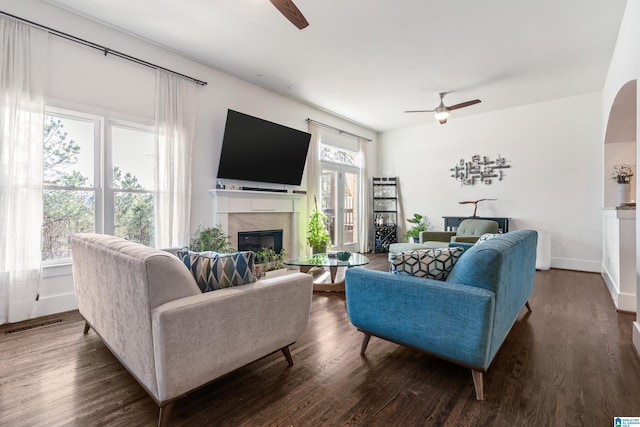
[
  {"x": 478, "y": 383},
  {"x": 365, "y": 342},
  {"x": 165, "y": 414},
  {"x": 86, "y": 328},
  {"x": 527, "y": 305},
  {"x": 287, "y": 355}
]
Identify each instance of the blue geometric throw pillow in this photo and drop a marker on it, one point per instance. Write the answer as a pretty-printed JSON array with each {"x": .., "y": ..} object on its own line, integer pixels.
[
  {"x": 213, "y": 271},
  {"x": 235, "y": 269},
  {"x": 428, "y": 263}
]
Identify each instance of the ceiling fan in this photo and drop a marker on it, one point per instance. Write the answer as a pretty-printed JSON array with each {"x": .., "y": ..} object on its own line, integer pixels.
[
  {"x": 291, "y": 12},
  {"x": 441, "y": 113}
]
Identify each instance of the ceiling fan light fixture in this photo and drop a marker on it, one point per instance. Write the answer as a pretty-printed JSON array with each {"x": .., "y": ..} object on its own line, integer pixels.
[{"x": 441, "y": 114}]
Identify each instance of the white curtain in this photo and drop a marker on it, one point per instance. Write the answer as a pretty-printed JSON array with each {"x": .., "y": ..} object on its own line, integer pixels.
[
  {"x": 175, "y": 128},
  {"x": 364, "y": 231},
  {"x": 313, "y": 169},
  {"x": 23, "y": 51}
]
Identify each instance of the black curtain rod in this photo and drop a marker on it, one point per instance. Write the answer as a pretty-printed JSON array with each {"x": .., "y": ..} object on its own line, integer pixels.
[
  {"x": 340, "y": 131},
  {"x": 104, "y": 49}
]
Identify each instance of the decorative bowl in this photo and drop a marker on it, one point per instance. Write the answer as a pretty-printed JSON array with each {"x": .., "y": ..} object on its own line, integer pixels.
[{"x": 343, "y": 256}]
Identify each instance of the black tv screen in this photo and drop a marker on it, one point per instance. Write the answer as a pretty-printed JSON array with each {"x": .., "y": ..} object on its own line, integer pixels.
[{"x": 254, "y": 149}]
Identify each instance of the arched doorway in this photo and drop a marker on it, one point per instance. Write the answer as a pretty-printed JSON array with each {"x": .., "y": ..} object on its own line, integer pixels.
[{"x": 619, "y": 225}]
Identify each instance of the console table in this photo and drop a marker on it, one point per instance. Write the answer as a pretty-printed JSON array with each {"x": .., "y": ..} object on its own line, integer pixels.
[{"x": 451, "y": 223}]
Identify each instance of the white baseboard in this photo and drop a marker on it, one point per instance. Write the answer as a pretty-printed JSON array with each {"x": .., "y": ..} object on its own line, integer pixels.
[
  {"x": 577, "y": 264},
  {"x": 636, "y": 337},
  {"x": 55, "y": 304},
  {"x": 622, "y": 301},
  {"x": 627, "y": 302},
  {"x": 610, "y": 286}
]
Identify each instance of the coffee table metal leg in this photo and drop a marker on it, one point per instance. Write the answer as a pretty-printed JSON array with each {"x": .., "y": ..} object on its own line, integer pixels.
[
  {"x": 333, "y": 269},
  {"x": 305, "y": 268}
]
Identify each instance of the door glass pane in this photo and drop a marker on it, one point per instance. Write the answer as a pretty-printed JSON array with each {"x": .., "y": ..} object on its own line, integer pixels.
[
  {"x": 338, "y": 155},
  {"x": 329, "y": 202},
  {"x": 350, "y": 224}
]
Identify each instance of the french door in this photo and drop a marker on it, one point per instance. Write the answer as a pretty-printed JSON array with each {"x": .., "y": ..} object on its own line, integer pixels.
[{"x": 339, "y": 196}]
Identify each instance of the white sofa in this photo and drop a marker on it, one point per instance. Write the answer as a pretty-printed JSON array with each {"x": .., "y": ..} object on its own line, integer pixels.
[{"x": 147, "y": 308}]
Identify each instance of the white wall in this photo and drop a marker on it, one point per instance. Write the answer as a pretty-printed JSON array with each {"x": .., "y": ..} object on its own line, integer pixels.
[
  {"x": 554, "y": 182},
  {"x": 80, "y": 77},
  {"x": 625, "y": 67}
]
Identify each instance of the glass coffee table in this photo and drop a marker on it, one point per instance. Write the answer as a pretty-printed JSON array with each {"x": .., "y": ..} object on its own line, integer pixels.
[{"x": 306, "y": 263}]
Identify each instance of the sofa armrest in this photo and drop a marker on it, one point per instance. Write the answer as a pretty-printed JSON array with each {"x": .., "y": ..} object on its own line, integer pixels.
[
  {"x": 200, "y": 338},
  {"x": 449, "y": 320},
  {"x": 465, "y": 239},
  {"x": 436, "y": 236}
]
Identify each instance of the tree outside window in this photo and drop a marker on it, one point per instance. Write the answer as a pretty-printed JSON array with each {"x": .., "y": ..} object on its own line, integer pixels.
[
  {"x": 69, "y": 197},
  {"x": 72, "y": 200}
]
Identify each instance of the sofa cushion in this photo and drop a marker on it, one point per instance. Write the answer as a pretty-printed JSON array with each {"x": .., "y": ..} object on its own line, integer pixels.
[
  {"x": 428, "y": 263},
  {"x": 213, "y": 271},
  {"x": 476, "y": 227}
]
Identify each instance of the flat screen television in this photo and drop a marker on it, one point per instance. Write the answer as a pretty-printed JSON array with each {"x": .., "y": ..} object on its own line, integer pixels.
[{"x": 257, "y": 150}]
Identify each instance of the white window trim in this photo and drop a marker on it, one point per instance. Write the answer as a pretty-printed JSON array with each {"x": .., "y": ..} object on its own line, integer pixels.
[
  {"x": 109, "y": 193},
  {"x": 103, "y": 162},
  {"x": 98, "y": 170}
]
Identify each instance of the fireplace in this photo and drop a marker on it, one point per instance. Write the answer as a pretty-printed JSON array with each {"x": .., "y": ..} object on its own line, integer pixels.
[
  {"x": 256, "y": 240},
  {"x": 237, "y": 211}
]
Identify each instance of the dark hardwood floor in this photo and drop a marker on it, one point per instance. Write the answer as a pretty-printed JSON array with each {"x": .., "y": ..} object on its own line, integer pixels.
[{"x": 569, "y": 362}]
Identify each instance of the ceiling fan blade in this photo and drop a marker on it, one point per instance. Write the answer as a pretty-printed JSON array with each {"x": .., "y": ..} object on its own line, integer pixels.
[
  {"x": 419, "y": 111},
  {"x": 464, "y": 104},
  {"x": 291, "y": 12}
]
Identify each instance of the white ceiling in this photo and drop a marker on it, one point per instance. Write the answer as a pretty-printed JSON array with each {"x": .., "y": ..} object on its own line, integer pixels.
[{"x": 370, "y": 60}]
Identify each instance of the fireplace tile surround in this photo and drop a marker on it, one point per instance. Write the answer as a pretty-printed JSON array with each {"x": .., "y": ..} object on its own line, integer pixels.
[{"x": 242, "y": 210}]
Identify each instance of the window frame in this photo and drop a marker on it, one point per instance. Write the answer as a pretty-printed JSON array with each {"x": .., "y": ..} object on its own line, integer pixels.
[
  {"x": 98, "y": 171},
  {"x": 110, "y": 192},
  {"x": 341, "y": 168},
  {"x": 104, "y": 122}
]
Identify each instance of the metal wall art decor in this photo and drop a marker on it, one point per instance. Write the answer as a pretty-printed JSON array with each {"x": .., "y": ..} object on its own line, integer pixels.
[{"x": 479, "y": 169}]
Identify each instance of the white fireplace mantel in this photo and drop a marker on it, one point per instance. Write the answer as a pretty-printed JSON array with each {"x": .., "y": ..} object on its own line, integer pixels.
[{"x": 227, "y": 203}]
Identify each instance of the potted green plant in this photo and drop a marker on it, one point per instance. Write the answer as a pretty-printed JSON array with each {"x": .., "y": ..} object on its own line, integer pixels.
[
  {"x": 270, "y": 262},
  {"x": 210, "y": 239},
  {"x": 419, "y": 223},
  {"x": 317, "y": 235}
]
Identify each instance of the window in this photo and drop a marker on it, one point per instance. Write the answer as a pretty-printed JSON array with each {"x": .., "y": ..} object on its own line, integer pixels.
[
  {"x": 79, "y": 197},
  {"x": 132, "y": 183},
  {"x": 70, "y": 191}
]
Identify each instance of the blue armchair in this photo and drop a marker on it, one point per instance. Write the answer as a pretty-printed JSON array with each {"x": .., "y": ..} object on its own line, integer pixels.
[{"x": 463, "y": 319}]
